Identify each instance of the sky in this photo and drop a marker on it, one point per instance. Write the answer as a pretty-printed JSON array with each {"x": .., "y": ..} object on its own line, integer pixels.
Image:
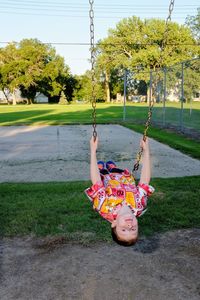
[{"x": 65, "y": 23}]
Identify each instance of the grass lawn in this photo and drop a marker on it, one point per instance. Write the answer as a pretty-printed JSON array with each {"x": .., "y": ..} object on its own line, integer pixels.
[
  {"x": 62, "y": 209},
  {"x": 52, "y": 114}
]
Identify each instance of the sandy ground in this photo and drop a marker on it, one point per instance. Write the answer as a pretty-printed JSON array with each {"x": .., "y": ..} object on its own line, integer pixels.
[
  {"x": 164, "y": 267},
  {"x": 61, "y": 153}
]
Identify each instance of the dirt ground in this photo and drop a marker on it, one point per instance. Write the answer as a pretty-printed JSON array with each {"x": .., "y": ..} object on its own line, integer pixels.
[{"x": 163, "y": 267}]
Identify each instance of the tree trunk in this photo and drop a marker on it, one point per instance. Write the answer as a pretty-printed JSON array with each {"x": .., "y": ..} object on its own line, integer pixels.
[
  {"x": 8, "y": 102},
  {"x": 30, "y": 101},
  {"x": 14, "y": 98},
  {"x": 148, "y": 94},
  {"x": 107, "y": 87}
]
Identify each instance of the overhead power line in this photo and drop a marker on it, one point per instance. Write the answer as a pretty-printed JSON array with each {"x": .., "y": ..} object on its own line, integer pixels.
[
  {"x": 85, "y": 7},
  {"x": 76, "y": 16},
  {"x": 72, "y": 8},
  {"x": 106, "y": 44},
  {"x": 85, "y": 4}
]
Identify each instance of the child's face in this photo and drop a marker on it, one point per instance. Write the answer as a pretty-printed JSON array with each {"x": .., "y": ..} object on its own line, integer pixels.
[{"x": 126, "y": 226}]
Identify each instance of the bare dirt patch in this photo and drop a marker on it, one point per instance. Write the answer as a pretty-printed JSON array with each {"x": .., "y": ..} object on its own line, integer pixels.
[{"x": 163, "y": 267}]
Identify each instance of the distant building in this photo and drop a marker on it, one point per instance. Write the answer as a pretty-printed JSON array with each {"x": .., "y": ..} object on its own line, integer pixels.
[{"x": 39, "y": 98}]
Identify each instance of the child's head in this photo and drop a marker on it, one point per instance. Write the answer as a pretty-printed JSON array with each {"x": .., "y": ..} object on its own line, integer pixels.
[{"x": 125, "y": 229}]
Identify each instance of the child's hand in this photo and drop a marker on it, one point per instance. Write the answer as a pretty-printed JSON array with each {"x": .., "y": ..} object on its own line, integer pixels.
[
  {"x": 144, "y": 144},
  {"x": 94, "y": 144}
]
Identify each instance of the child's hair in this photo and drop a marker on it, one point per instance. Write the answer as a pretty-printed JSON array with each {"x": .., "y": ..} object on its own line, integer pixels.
[{"x": 120, "y": 242}]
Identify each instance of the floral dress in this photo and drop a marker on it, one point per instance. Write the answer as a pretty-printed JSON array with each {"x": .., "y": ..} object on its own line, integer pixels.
[{"x": 116, "y": 190}]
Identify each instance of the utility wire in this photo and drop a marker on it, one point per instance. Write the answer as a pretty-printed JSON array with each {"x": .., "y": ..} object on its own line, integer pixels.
[
  {"x": 106, "y": 44},
  {"x": 74, "y": 16},
  {"x": 114, "y": 5},
  {"x": 29, "y": 5},
  {"x": 84, "y": 9}
]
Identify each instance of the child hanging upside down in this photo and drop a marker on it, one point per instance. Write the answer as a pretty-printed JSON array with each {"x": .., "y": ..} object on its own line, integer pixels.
[{"x": 115, "y": 195}]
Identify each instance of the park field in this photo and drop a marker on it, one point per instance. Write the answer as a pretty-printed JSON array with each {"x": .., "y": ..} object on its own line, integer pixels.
[{"x": 55, "y": 114}]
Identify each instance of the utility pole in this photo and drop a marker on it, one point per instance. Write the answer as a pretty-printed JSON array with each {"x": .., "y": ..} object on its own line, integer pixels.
[
  {"x": 164, "y": 95},
  {"x": 125, "y": 87},
  {"x": 182, "y": 96}
]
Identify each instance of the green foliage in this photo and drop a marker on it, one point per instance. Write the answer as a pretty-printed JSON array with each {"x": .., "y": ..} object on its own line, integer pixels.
[
  {"x": 194, "y": 23},
  {"x": 83, "y": 89},
  {"x": 136, "y": 44},
  {"x": 191, "y": 79},
  {"x": 34, "y": 67}
]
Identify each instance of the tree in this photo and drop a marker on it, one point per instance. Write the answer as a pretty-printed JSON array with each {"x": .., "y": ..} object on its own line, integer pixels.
[
  {"x": 193, "y": 22},
  {"x": 9, "y": 70},
  {"x": 41, "y": 68},
  {"x": 83, "y": 89},
  {"x": 63, "y": 99},
  {"x": 136, "y": 45},
  {"x": 191, "y": 79},
  {"x": 32, "y": 67}
]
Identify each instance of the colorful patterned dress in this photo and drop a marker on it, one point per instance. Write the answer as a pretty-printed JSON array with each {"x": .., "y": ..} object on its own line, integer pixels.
[{"x": 116, "y": 190}]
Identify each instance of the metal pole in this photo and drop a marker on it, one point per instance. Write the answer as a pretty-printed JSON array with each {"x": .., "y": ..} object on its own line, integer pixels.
[
  {"x": 125, "y": 86},
  {"x": 150, "y": 88},
  {"x": 182, "y": 96},
  {"x": 164, "y": 96}
]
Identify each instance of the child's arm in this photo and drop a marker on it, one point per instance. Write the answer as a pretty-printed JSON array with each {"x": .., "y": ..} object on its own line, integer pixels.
[
  {"x": 146, "y": 163},
  {"x": 94, "y": 171}
]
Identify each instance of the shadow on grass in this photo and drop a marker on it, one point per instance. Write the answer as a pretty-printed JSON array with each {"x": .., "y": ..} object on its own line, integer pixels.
[
  {"x": 71, "y": 114},
  {"x": 84, "y": 115}
]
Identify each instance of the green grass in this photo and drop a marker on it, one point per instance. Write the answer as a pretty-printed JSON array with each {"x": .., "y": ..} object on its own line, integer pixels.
[
  {"x": 65, "y": 114},
  {"x": 81, "y": 113},
  {"x": 62, "y": 209}
]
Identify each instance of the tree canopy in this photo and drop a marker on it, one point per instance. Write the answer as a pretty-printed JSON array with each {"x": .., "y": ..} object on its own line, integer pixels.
[
  {"x": 141, "y": 45},
  {"x": 32, "y": 67},
  {"x": 193, "y": 22}
]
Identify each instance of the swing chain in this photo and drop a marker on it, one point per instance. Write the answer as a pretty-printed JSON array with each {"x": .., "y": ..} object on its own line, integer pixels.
[
  {"x": 151, "y": 102},
  {"x": 92, "y": 51},
  {"x": 165, "y": 35},
  {"x": 147, "y": 124}
]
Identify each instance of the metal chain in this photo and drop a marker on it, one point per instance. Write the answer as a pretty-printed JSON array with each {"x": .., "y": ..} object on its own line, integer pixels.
[
  {"x": 92, "y": 51},
  {"x": 151, "y": 102}
]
